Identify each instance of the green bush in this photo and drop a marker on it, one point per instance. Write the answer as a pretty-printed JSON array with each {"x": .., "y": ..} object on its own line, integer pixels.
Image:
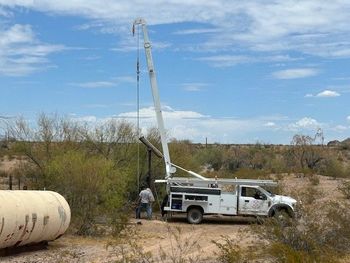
[
  {"x": 91, "y": 185},
  {"x": 251, "y": 174},
  {"x": 334, "y": 168},
  {"x": 320, "y": 235},
  {"x": 212, "y": 157}
]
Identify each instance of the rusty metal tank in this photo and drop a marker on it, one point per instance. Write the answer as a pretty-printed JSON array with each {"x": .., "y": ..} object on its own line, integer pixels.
[{"x": 28, "y": 217}]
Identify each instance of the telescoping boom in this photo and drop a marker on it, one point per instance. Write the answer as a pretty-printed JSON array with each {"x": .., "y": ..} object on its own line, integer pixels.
[{"x": 154, "y": 86}]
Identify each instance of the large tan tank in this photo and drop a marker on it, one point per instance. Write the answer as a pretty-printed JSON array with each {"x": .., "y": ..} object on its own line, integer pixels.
[{"x": 32, "y": 217}]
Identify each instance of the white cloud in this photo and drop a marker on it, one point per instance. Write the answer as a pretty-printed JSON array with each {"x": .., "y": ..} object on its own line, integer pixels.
[
  {"x": 270, "y": 124},
  {"x": 21, "y": 53},
  {"x": 231, "y": 60},
  {"x": 94, "y": 84},
  {"x": 295, "y": 73},
  {"x": 195, "y": 126},
  {"x": 195, "y": 86},
  {"x": 89, "y": 119},
  {"x": 167, "y": 112},
  {"x": 124, "y": 79},
  {"x": 198, "y": 31},
  {"x": 226, "y": 60},
  {"x": 305, "y": 123},
  {"x": 324, "y": 94},
  {"x": 348, "y": 118},
  {"x": 309, "y": 26},
  {"x": 4, "y": 12},
  {"x": 113, "y": 82},
  {"x": 340, "y": 128},
  {"x": 328, "y": 93}
]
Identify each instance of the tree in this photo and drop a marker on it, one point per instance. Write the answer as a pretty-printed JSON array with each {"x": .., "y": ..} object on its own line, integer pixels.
[{"x": 306, "y": 152}]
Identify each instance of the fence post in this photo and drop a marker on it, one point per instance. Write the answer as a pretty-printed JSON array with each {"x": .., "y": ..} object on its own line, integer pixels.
[{"x": 10, "y": 182}]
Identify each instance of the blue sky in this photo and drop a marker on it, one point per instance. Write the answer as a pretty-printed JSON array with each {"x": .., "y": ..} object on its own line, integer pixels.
[{"x": 231, "y": 71}]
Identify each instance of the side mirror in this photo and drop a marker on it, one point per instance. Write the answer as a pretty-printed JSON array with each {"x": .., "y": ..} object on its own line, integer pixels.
[{"x": 262, "y": 197}]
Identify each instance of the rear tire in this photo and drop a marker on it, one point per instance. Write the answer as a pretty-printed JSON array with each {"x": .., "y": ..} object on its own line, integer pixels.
[{"x": 194, "y": 216}]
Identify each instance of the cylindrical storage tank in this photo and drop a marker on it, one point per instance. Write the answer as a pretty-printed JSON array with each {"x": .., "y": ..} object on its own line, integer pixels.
[{"x": 28, "y": 217}]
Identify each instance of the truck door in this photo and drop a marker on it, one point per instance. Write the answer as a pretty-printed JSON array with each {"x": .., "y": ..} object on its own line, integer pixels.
[
  {"x": 252, "y": 201},
  {"x": 228, "y": 200},
  {"x": 228, "y": 204}
]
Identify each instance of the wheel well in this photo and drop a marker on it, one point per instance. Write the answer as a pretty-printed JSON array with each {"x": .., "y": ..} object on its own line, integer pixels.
[
  {"x": 286, "y": 208},
  {"x": 195, "y": 206}
]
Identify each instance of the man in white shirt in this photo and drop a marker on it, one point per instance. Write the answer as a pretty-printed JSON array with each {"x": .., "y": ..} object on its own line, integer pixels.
[{"x": 145, "y": 201}]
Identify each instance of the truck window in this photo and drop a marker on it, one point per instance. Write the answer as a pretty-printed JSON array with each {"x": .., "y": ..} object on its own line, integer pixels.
[{"x": 252, "y": 192}]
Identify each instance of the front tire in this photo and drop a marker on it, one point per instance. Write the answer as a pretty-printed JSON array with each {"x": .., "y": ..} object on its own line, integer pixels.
[
  {"x": 282, "y": 217},
  {"x": 194, "y": 216}
]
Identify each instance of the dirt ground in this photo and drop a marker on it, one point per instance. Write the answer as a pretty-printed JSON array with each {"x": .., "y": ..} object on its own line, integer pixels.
[
  {"x": 156, "y": 235},
  {"x": 151, "y": 236}
]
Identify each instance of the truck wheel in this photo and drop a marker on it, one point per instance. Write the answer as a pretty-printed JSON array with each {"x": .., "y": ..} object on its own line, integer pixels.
[
  {"x": 282, "y": 216},
  {"x": 194, "y": 216}
]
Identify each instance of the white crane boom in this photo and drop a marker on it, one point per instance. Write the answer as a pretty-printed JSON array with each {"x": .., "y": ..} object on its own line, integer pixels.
[{"x": 154, "y": 86}]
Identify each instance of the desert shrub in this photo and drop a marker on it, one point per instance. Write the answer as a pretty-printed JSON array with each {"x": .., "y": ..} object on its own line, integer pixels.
[
  {"x": 286, "y": 254},
  {"x": 212, "y": 157},
  {"x": 305, "y": 152},
  {"x": 182, "y": 249},
  {"x": 3, "y": 173},
  {"x": 314, "y": 179},
  {"x": 249, "y": 173},
  {"x": 182, "y": 154},
  {"x": 308, "y": 195},
  {"x": 347, "y": 171},
  {"x": 320, "y": 235},
  {"x": 91, "y": 185},
  {"x": 344, "y": 187},
  {"x": 334, "y": 168},
  {"x": 27, "y": 174},
  {"x": 229, "y": 251},
  {"x": 93, "y": 167},
  {"x": 277, "y": 164}
]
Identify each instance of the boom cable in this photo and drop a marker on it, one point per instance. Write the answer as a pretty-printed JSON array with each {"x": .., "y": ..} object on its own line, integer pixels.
[{"x": 138, "y": 106}]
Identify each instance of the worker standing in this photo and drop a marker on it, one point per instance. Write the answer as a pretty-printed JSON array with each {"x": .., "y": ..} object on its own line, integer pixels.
[{"x": 145, "y": 201}]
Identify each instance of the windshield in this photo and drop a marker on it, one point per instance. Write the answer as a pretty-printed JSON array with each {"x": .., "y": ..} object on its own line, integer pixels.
[{"x": 267, "y": 192}]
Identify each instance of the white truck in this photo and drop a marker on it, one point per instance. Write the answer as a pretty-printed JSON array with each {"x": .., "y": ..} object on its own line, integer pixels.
[
  {"x": 234, "y": 197},
  {"x": 199, "y": 196}
]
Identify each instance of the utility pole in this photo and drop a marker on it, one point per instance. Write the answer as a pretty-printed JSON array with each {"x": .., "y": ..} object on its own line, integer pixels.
[{"x": 150, "y": 149}]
